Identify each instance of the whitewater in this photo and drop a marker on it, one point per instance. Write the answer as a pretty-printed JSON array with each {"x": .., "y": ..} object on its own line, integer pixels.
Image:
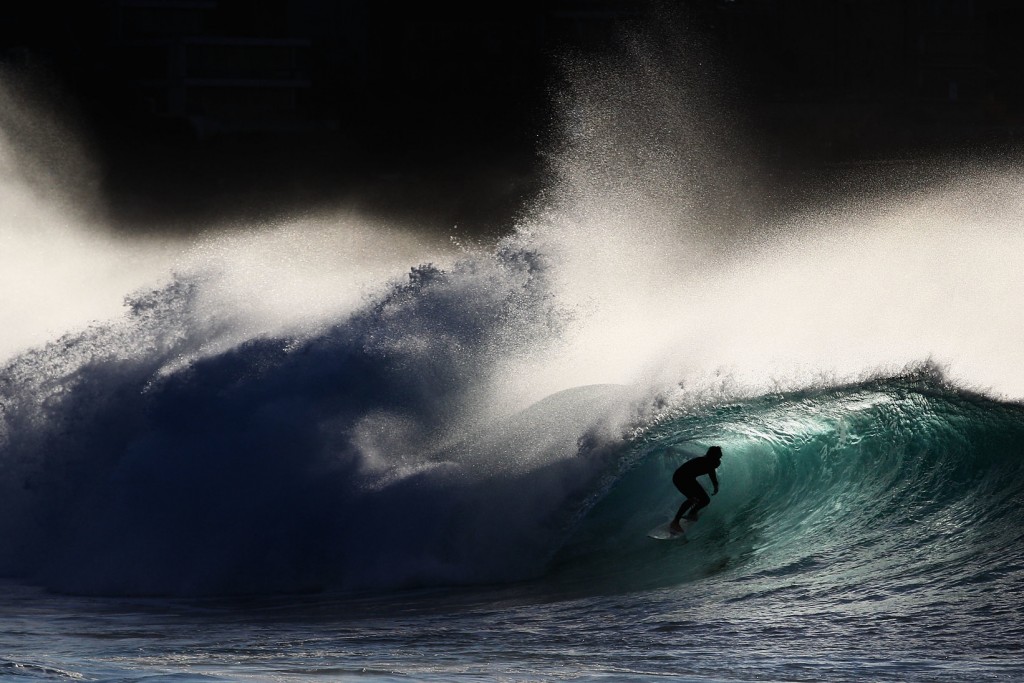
[{"x": 326, "y": 448}]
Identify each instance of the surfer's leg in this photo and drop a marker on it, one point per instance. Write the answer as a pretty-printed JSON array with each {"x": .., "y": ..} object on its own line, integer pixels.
[
  {"x": 682, "y": 510},
  {"x": 701, "y": 499},
  {"x": 692, "y": 489}
]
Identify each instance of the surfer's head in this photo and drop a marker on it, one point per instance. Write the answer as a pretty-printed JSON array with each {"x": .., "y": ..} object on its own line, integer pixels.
[{"x": 715, "y": 453}]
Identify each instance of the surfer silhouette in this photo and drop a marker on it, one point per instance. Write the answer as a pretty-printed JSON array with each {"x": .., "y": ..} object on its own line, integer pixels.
[{"x": 685, "y": 479}]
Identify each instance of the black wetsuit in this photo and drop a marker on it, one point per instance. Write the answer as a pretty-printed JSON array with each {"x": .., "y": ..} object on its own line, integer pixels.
[{"x": 685, "y": 479}]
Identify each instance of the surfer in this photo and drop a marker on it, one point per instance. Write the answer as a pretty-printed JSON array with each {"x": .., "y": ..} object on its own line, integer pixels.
[{"x": 685, "y": 479}]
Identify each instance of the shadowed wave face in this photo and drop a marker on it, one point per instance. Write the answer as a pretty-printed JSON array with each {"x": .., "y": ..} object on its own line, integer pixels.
[{"x": 354, "y": 457}]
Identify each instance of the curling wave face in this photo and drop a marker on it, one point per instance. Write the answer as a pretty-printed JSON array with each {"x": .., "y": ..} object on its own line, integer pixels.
[{"x": 902, "y": 488}]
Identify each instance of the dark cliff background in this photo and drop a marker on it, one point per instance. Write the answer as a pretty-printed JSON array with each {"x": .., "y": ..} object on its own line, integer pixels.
[{"x": 200, "y": 110}]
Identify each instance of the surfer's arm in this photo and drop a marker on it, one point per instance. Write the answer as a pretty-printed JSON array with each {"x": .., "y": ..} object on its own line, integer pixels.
[{"x": 714, "y": 481}]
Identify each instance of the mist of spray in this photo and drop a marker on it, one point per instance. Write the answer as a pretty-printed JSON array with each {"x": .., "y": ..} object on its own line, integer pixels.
[
  {"x": 63, "y": 268},
  {"x": 658, "y": 229},
  {"x": 652, "y": 229}
]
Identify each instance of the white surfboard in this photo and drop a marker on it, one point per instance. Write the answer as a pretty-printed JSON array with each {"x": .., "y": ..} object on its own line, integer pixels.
[{"x": 663, "y": 533}]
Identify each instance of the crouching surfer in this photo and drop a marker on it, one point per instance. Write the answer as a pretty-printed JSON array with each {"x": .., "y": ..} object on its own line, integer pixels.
[{"x": 685, "y": 479}]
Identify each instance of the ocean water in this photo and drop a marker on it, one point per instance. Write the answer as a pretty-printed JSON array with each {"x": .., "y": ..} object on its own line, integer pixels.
[
  {"x": 329, "y": 449},
  {"x": 870, "y": 531}
]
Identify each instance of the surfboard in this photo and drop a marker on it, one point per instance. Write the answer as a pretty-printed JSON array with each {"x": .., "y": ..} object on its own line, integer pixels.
[{"x": 663, "y": 533}]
